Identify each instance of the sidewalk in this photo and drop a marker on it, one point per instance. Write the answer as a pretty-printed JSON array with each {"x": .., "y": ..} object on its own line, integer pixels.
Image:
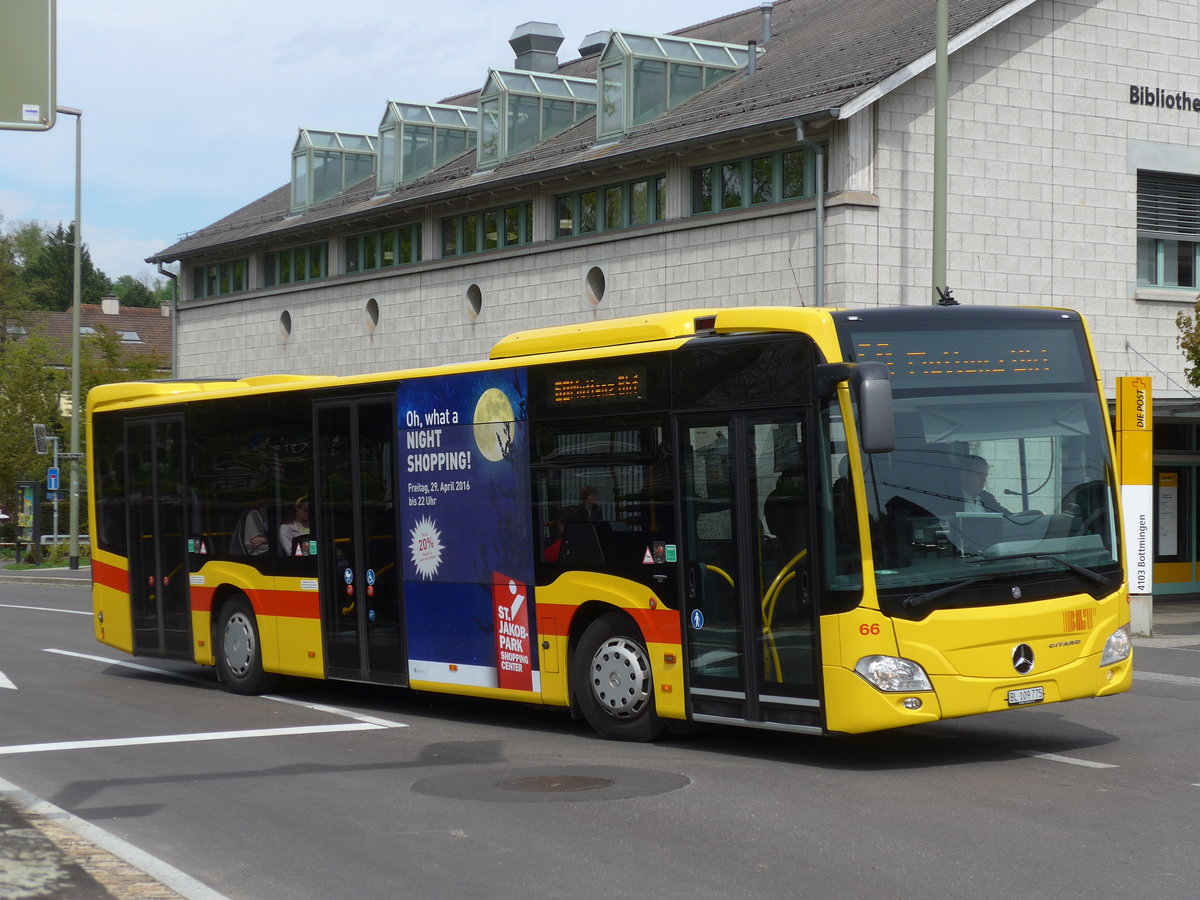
[{"x": 65, "y": 576}]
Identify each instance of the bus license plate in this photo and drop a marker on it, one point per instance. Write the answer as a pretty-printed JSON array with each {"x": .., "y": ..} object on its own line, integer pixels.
[{"x": 1026, "y": 695}]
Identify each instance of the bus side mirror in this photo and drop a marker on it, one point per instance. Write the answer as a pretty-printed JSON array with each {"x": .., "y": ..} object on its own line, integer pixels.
[{"x": 876, "y": 418}]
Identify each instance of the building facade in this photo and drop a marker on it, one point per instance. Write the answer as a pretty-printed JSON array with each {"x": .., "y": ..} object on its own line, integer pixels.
[{"x": 659, "y": 172}]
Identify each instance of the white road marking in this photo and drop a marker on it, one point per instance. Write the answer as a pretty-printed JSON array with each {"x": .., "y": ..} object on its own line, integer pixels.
[
  {"x": 317, "y": 707},
  {"x": 15, "y": 749},
  {"x": 180, "y": 882},
  {"x": 1054, "y": 757},
  {"x": 182, "y": 676},
  {"x": 1166, "y": 679},
  {"x": 337, "y": 711},
  {"x": 5, "y": 683},
  {"x": 73, "y": 612}
]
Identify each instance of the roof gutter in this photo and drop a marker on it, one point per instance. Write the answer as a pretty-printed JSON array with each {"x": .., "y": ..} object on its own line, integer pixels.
[{"x": 174, "y": 317}]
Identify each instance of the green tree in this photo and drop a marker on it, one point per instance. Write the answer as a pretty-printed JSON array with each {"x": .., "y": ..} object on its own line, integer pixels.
[
  {"x": 102, "y": 360},
  {"x": 50, "y": 274},
  {"x": 139, "y": 291},
  {"x": 1189, "y": 342},
  {"x": 31, "y": 379}
]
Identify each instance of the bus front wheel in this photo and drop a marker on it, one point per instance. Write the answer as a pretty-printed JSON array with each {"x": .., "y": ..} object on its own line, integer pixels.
[
  {"x": 239, "y": 652},
  {"x": 614, "y": 685}
]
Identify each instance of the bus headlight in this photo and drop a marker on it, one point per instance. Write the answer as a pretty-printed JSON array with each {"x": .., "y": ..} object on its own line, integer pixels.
[
  {"x": 893, "y": 674},
  {"x": 1119, "y": 644}
]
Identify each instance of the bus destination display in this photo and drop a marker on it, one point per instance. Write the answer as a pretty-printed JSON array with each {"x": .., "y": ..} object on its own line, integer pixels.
[
  {"x": 1050, "y": 356},
  {"x": 595, "y": 386}
]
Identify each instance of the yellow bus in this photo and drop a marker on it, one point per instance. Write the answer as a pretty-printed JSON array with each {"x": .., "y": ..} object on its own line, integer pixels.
[{"x": 809, "y": 520}]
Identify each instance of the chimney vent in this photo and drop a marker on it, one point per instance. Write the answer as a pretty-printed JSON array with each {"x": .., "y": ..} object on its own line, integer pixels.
[
  {"x": 536, "y": 45},
  {"x": 593, "y": 43},
  {"x": 766, "y": 21},
  {"x": 110, "y": 305}
]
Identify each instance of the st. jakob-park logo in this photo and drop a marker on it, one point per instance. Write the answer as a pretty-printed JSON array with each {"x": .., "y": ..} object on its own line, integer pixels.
[{"x": 426, "y": 547}]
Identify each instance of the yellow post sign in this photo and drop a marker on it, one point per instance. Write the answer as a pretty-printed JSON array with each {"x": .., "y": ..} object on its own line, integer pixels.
[{"x": 1135, "y": 461}]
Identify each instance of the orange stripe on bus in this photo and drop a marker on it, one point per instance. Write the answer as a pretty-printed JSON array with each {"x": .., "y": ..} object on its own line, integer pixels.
[
  {"x": 110, "y": 576},
  {"x": 294, "y": 604},
  {"x": 659, "y": 626}
]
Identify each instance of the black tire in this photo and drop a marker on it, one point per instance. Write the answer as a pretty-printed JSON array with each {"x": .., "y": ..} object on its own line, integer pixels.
[
  {"x": 613, "y": 683},
  {"x": 238, "y": 650}
]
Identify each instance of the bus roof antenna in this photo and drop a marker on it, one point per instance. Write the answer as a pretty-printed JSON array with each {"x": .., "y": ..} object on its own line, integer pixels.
[{"x": 944, "y": 298}]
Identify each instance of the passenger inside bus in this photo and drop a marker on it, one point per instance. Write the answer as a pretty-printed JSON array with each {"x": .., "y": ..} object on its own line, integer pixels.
[
  {"x": 566, "y": 515},
  {"x": 295, "y": 527},
  {"x": 250, "y": 536}
]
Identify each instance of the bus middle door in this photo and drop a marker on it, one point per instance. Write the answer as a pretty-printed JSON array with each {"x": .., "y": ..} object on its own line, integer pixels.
[
  {"x": 356, "y": 515},
  {"x": 749, "y": 611}
]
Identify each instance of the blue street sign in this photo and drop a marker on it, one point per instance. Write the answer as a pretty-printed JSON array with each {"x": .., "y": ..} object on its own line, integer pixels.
[{"x": 52, "y": 478}]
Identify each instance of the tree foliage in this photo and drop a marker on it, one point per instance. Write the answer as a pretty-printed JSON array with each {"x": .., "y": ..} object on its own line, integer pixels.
[
  {"x": 1189, "y": 342},
  {"x": 50, "y": 274},
  {"x": 31, "y": 380},
  {"x": 37, "y": 273}
]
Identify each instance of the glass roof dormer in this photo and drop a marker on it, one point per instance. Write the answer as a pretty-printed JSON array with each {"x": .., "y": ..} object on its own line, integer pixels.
[
  {"x": 415, "y": 139},
  {"x": 326, "y": 163},
  {"x": 641, "y": 76},
  {"x": 519, "y": 110}
]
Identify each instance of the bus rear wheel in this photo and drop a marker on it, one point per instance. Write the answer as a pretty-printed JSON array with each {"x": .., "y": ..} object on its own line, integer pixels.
[
  {"x": 239, "y": 652},
  {"x": 613, "y": 682}
]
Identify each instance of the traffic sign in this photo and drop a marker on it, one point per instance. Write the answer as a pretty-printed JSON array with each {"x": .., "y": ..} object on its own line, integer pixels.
[{"x": 52, "y": 478}]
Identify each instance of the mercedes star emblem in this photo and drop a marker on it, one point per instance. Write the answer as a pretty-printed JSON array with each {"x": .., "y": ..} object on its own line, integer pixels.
[{"x": 1023, "y": 658}]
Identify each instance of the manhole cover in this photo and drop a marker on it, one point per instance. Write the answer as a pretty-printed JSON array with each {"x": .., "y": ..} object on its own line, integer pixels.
[
  {"x": 555, "y": 784},
  {"x": 552, "y": 784}
]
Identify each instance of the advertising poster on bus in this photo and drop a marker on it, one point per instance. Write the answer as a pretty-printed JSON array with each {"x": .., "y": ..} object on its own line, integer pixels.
[{"x": 465, "y": 514}]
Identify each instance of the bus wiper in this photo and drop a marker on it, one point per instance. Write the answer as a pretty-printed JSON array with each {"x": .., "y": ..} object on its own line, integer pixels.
[
  {"x": 929, "y": 596},
  {"x": 1093, "y": 577}
]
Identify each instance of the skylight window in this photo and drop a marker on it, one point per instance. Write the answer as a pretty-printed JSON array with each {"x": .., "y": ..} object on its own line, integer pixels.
[
  {"x": 326, "y": 163},
  {"x": 643, "y": 75},
  {"x": 415, "y": 139},
  {"x": 519, "y": 110}
]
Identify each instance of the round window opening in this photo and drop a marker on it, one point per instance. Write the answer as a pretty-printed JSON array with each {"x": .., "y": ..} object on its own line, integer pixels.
[
  {"x": 594, "y": 285},
  {"x": 474, "y": 301},
  {"x": 372, "y": 311},
  {"x": 285, "y": 324}
]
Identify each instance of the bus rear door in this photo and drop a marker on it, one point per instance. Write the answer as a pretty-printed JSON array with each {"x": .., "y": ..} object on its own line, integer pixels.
[
  {"x": 158, "y": 510},
  {"x": 748, "y": 601}
]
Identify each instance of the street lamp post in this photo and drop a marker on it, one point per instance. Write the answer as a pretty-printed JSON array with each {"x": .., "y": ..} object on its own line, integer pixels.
[{"x": 76, "y": 295}]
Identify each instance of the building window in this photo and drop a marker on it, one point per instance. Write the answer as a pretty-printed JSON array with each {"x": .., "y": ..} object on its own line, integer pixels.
[
  {"x": 1168, "y": 222},
  {"x": 297, "y": 264},
  {"x": 643, "y": 76},
  {"x": 383, "y": 249},
  {"x": 327, "y": 163},
  {"x": 489, "y": 229},
  {"x": 415, "y": 139},
  {"x": 219, "y": 279},
  {"x": 752, "y": 181},
  {"x": 519, "y": 110},
  {"x": 615, "y": 206}
]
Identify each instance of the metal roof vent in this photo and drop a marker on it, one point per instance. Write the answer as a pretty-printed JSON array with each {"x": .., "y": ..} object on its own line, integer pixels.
[
  {"x": 536, "y": 45},
  {"x": 593, "y": 43}
]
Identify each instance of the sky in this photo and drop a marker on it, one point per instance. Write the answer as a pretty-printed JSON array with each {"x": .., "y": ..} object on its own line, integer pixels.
[{"x": 190, "y": 109}]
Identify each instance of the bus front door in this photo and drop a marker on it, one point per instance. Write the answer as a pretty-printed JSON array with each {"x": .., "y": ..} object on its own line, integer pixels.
[
  {"x": 158, "y": 571},
  {"x": 748, "y": 602},
  {"x": 356, "y": 516}
]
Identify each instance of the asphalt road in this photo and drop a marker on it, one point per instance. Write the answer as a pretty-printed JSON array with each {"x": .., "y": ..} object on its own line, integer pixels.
[{"x": 333, "y": 790}]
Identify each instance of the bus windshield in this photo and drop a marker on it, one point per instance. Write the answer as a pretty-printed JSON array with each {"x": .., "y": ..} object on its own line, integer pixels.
[{"x": 1000, "y": 488}]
